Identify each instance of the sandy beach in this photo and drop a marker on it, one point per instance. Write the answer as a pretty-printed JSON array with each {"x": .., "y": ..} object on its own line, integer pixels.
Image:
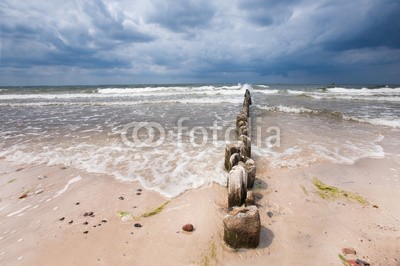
[{"x": 298, "y": 226}]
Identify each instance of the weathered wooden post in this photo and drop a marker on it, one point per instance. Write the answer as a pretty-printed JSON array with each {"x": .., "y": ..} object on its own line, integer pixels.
[{"x": 242, "y": 224}]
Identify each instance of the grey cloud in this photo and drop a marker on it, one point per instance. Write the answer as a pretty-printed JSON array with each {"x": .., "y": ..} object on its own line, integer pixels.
[{"x": 182, "y": 15}]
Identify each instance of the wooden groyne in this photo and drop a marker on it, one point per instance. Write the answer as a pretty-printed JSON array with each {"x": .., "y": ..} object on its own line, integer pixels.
[{"x": 242, "y": 223}]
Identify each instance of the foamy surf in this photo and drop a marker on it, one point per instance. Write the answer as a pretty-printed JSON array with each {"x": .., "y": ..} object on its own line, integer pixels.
[{"x": 82, "y": 128}]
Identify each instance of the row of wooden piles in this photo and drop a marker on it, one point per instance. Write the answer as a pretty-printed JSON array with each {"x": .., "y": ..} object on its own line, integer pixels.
[{"x": 242, "y": 223}]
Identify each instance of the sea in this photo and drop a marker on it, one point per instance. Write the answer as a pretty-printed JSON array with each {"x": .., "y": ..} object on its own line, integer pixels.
[{"x": 171, "y": 138}]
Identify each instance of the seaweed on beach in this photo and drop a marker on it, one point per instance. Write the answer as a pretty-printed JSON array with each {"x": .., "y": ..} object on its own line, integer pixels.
[
  {"x": 330, "y": 192},
  {"x": 343, "y": 259},
  {"x": 156, "y": 210}
]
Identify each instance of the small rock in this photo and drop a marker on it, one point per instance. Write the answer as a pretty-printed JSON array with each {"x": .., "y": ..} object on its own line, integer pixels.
[
  {"x": 270, "y": 214},
  {"x": 91, "y": 214},
  {"x": 362, "y": 263},
  {"x": 94, "y": 225},
  {"x": 352, "y": 263},
  {"x": 375, "y": 206},
  {"x": 137, "y": 225},
  {"x": 77, "y": 203},
  {"x": 23, "y": 195},
  {"x": 85, "y": 232},
  {"x": 19, "y": 169},
  {"x": 85, "y": 223},
  {"x": 347, "y": 251},
  {"x": 70, "y": 222},
  {"x": 121, "y": 198},
  {"x": 42, "y": 177},
  {"x": 138, "y": 193},
  {"x": 188, "y": 227},
  {"x": 99, "y": 225},
  {"x": 139, "y": 189},
  {"x": 62, "y": 219},
  {"x": 103, "y": 221}
]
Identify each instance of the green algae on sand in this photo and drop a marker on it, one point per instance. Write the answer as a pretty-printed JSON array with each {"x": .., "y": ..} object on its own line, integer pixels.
[
  {"x": 156, "y": 210},
  {"x": 330, "y": 192}
]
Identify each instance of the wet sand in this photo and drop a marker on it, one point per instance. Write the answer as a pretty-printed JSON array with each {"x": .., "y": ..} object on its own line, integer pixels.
[{"x": 298, "y": 226}]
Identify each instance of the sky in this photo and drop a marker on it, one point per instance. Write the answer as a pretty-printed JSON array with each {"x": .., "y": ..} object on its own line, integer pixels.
[{"x": 74, "y": 42}]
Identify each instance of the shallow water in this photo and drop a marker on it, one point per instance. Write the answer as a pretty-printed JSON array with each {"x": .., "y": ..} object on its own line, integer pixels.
[{"x": 91, "y": 128}]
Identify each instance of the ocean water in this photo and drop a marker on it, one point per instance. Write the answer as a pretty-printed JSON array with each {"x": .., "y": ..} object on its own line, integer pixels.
[{"x": 171, "y": 138}]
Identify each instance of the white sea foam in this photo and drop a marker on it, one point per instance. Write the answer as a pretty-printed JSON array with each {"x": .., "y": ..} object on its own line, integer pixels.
[
  {"x": 131, "y": 92},
  {"x": 66, "y": 187},
  {"x": 262, "y": 86},
  {"x": 130, "y": 103},
  {"x": 365, "y": 91},
  {"x": 169, "y": 170},
  {"x": 388, "y": 121},
  {"x": 269, "y": 91},
  {"x": 394, "y": 123},
  {"x": 20, "y": 211}
]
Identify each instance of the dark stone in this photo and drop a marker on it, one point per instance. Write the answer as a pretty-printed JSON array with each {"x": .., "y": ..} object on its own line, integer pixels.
[
  {"x": 270, "y": 214},
  {"x": 62, "y": 219},
  {"x": 138, "y": 193},
  {"x": 85, "y": 232},
  {"x": 86, "y": 214},
  {"x": 242, "y": 227},
  {"x": 70, "y": 222},
  {"x": 137, "y": 225},
  {"x": 103, "y": 221},
  {"x": 188, "y": 227},
  {"x": 139, "y": 189},
  {"x": 85, "y": 223},
  {"x": 362, "y": 263},
  {"x": 77, "y": 203},
  {"x": 121, "y": 198}
]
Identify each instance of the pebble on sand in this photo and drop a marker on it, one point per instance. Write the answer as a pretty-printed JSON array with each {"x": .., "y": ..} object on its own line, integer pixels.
[
  {"x": 188, "y": 227},
  {"x": 347, "y": 251},
  {"x": 137, "y": 225}
]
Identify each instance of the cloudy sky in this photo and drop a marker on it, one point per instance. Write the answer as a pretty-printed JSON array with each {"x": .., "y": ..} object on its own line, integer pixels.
[{"x": 191, "y": 41}]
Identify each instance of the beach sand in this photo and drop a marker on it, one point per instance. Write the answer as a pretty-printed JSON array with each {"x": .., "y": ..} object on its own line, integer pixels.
[{"x": 298, "y": 226}]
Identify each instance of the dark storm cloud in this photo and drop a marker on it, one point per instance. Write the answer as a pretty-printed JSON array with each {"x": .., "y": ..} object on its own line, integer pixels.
[
  {"x": 267, "y": 12},
  {"x": 380, "y": 27},
  {"x": 182, "y": 15},
  {"x": 191, "y": 40}
]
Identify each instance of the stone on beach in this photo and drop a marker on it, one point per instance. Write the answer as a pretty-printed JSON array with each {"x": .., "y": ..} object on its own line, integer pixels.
[
  {"x": 242, "y": 227},
  {"x": 188, "y": 227}
]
